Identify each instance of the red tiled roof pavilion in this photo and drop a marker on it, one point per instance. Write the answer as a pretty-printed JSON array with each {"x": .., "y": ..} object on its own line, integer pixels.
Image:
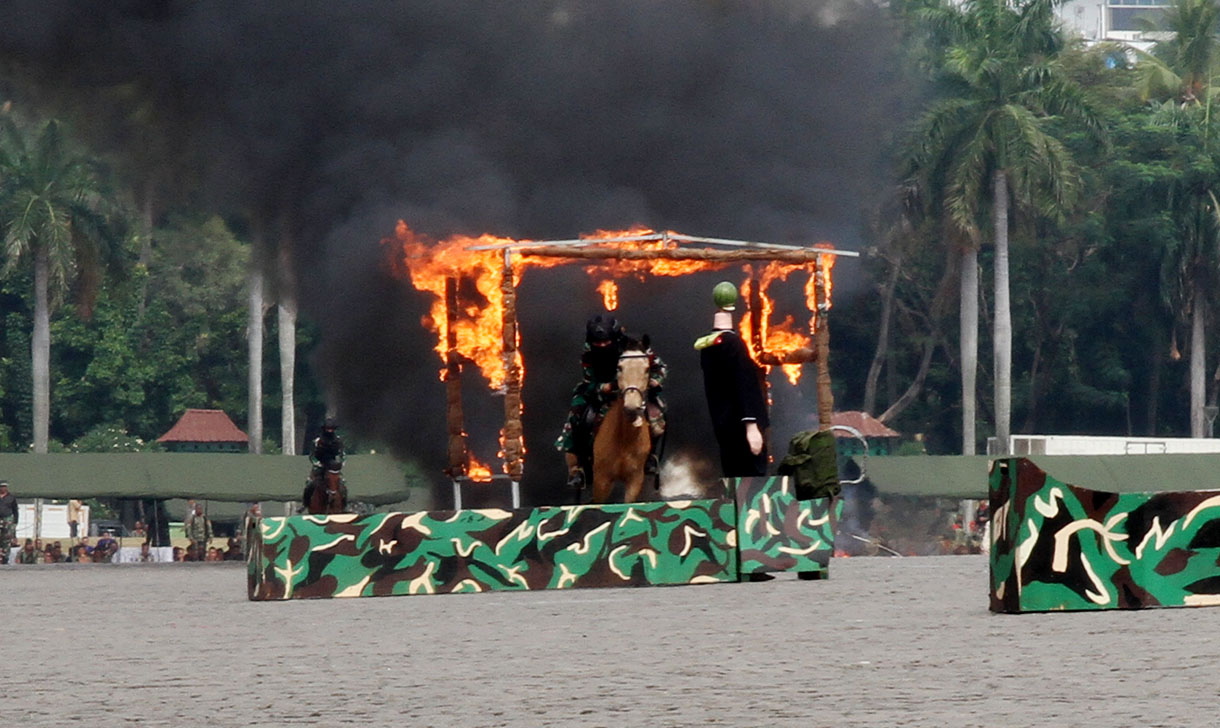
[
  {"x": 205, "y": 429},
  {"x": 868, "y": 425}
]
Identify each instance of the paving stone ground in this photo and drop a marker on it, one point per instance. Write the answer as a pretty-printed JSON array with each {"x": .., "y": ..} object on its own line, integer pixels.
[{"x": 884, "y": 642}]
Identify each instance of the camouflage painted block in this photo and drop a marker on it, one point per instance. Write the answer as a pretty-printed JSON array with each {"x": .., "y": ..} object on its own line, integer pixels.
[
  {"x": 1062, "y": 547},
  {"x": 476, "y": 550},
  {"x": 777, "y": 532}
]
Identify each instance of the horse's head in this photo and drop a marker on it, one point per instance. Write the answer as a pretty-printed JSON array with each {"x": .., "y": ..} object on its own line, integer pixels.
[{"x": 633, "y": 379}]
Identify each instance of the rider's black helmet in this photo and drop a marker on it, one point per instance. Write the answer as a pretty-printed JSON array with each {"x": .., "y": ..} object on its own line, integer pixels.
[
  {"x": 600, "y": 329},
  {"x": 330, "y": 424}
]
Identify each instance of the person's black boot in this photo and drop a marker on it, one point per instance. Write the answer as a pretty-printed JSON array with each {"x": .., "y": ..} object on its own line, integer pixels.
[
  {"x": 653, "y": 465},
  {"x": 576, "y": 483}
]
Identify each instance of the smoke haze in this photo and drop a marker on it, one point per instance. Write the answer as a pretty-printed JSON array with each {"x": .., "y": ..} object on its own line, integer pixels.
[{"x": 757, "y": 120}]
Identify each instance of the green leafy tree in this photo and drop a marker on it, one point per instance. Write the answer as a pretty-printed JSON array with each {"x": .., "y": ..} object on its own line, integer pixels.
[
  {"x": 984, "y": 144},
  {"x": 112, "y": 438},
  {"x": 56, "y": 217},
  {"x": 1179, "y": 74},
  {"x": 1181, "y": 67}
]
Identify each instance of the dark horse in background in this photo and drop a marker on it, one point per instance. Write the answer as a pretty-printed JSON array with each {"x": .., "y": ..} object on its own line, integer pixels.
[
  {"x": 329, "y": 493},
  {"x": 623, "y": 440}
]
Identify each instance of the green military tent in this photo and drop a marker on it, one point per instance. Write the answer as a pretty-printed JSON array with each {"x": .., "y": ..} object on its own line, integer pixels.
[
  {"x": 965, "y": 476},
  {"x": 373, "y": 479}
]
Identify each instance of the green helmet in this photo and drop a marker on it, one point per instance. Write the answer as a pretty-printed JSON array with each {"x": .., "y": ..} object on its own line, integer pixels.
[{"x": 724, "y": 295}]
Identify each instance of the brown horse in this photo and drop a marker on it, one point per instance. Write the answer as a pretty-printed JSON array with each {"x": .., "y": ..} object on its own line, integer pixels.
[
  {"x": 620, "y": 448},
  {"x": 329, "y": 495}
]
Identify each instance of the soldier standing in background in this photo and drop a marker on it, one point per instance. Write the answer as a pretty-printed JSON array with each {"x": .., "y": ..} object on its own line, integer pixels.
[
  {"x": 253, "y": 515},
  {"x": 74, "y": 511},
  {"x": 8, "y": 520},
  {"x": 199, "y": 533}
]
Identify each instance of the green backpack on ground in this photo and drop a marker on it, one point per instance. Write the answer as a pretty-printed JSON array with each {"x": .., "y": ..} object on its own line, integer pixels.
[{"x": 812, "y": 462}]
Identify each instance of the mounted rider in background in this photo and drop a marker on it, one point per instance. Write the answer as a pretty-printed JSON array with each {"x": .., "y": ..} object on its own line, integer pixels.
[
  {"x": 326, "y": 454},
  {"x": 604, "y": 342}
]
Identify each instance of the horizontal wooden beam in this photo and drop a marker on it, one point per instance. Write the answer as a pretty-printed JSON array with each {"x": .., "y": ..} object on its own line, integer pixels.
[{"x": 802, "y": 256}]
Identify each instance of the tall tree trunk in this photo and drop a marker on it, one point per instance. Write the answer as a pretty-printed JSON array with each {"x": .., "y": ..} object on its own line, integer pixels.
[
  {"x": 146, "y": 230},
  {"x": 1154, "y": 388},
  {"x": 254, "y": 335},
  {"x": 969, "y": 342},
  {"x": 288, "y": 362},
  {"x": 1002, "y": 323},
  {"x": 287, "y": 330},
  {"x": 1198, "y": 353},
  {"x": 40, "y": 351},
  {"x": 880, "y": 354}
]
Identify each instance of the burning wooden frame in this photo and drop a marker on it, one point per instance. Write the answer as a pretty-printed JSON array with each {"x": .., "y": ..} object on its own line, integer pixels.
[{"x": 494, "y": 265}]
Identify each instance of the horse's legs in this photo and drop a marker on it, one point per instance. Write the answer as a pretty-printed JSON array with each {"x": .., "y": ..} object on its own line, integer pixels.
[
  {"x": 602, "y": 483},
  {"x": 634, "y": 484}
]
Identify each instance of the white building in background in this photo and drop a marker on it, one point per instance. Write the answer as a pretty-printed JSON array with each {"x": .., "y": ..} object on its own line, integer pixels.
[
  {"x": 1113, "y": 20},
  {"x": 1103, "y": 445}
]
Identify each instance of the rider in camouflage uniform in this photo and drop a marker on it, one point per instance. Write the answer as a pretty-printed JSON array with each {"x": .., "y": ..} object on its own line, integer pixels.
[
  {"x": 326, "y": 454},
  {"x": 604, "y": 342},
  {"x": 8, "y": 520}
]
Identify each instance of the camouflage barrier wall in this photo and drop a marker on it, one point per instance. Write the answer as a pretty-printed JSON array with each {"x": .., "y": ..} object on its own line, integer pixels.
[
  {"x": 756, "y": 526},
  {"x": 1061, "y": 547},
  {"x": 777, "y": 532}
]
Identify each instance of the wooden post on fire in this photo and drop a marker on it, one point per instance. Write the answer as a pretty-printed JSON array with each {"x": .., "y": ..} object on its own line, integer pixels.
[
  {"x": 756, "y": 314},
  {"x": 821, "y": 338},
  {"x": 453, "y": 385},
  {"x": 756, "y": 340},
  {"x": 511, "y": 437}
]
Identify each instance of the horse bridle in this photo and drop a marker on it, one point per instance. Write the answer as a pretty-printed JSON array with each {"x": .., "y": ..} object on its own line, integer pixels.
[{"x": 623, "y": 392}]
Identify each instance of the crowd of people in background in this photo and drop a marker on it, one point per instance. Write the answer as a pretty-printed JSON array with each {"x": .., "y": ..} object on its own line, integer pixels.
[
  {"x": 34, "y": 551},
  {"x": 969, "y": 538},
  {"x": 197, "y": 528}
]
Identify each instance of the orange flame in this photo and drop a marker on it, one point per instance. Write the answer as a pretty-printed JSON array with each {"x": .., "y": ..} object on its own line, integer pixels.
[
  {"x": 825, "y": 264},
  {"x": 609, "y": 291},
  {"x": 478, "y": 322},
  {"x": 781, "y": 339},
  {"x": 478, "y": 472},
  {"x": 478, "y": 325}
]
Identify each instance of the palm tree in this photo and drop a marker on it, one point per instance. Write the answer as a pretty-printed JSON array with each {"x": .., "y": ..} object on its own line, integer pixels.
[
  {"x": 287, "y": 332},
  {"x": 256, "y": 310},
  {"x": 1182, "y": 65},
  {"x": 985, "y": 141},
  {"x": 1188, "y": 273},
  {"x": 54, "y": 214},
  {"x": 1178, "y": 73}
]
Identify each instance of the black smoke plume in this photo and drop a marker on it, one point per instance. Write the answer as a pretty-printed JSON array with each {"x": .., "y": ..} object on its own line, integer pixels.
[{"x": 539, "y": 119}]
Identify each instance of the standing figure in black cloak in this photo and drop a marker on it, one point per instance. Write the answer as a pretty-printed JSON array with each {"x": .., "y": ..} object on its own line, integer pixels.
[{"x": 733, "y": 384}]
